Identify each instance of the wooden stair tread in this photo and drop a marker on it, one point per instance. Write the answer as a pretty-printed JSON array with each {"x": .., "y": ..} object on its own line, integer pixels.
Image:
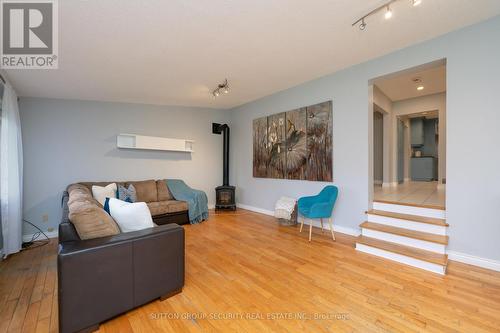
[
  {"x": 424, "y": 236},
  {"x": 408, "y": 217},
  {"x": 432, "y": 257},
  {"x": 438, "y": 207}
]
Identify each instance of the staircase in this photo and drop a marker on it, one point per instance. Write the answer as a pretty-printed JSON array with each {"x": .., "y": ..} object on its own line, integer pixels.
[{"x": 409, "y": 234}]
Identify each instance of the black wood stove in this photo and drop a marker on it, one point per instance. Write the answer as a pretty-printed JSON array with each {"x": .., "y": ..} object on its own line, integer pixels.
[{"x": 224, "y": 195}]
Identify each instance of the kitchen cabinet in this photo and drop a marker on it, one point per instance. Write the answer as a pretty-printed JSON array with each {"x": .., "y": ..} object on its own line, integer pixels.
[
  {"x": 417, "y": 132},
  {"x": 423, "y": 168}
]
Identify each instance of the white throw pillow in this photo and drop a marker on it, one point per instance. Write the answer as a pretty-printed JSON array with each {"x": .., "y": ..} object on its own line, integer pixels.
[
  {"x": 130, "y": 216},
  {"x": 101, "y": 193}
]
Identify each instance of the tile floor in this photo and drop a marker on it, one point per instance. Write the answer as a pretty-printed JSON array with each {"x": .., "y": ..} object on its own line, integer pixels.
[{"x": 420, "y": 193}]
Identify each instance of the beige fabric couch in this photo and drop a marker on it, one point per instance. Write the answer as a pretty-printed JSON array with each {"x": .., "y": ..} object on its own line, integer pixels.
[{"x": 91, "y": 221}]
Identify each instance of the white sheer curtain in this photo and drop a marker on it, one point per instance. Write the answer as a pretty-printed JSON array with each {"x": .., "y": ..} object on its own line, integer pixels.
[{"x": 11, "y": 172}]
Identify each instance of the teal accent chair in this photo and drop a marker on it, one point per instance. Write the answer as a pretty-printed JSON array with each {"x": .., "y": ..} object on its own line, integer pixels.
[{"x": 318, "y": 207}]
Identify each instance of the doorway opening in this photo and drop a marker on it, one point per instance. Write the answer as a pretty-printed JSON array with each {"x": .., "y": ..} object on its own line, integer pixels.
[{"x": 409, "y": 136}]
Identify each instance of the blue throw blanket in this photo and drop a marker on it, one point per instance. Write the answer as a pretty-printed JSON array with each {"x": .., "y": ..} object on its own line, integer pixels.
[{"x": 196, "y": 199}]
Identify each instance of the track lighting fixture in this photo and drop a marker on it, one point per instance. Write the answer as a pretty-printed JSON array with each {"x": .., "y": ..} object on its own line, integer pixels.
[
  {"x": 362, "y": 25},
  {"x": 388, "y": 12},
  {"x": 221, "y": 88}
]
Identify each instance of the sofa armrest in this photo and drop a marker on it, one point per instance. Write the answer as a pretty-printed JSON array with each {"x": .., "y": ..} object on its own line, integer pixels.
[
  {"x": 70, "y": 248},
  {"x": 67, "y": 233},
  {"x": 103, "y": 277}
]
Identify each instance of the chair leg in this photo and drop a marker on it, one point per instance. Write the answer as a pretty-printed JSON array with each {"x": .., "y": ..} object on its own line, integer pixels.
[
  {"x": 301, "y": 223},
  {"x": 321, "y": 224},
  {"x": 310, "y": 228},
  {"x": 331, "y": 227}
]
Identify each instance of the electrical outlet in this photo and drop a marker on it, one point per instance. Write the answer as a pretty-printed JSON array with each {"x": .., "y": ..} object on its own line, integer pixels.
[
  {"x": 45, "y": 218},
  {"x": 50, "y": 229}
]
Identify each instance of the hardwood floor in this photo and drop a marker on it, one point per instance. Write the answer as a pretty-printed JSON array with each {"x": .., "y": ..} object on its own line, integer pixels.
[
  {"x": 245, "y": 273},
  {"x": 419, "y": 193}
]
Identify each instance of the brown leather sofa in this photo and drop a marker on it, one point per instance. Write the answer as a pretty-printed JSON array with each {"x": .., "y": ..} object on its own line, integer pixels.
[{"x": 103, "y": 277}]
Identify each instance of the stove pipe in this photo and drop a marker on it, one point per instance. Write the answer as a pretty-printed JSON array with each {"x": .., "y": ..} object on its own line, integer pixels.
[{"x": 224, "y": 129}]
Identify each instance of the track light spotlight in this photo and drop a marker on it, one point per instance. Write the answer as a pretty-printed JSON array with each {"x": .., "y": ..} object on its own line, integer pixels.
[
  {"x": 388, "y": 13},
  {"x": 362, "y": 25}
]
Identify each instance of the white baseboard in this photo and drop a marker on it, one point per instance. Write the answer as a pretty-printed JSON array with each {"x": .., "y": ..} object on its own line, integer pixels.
[
  {"x": 402, "y": 259},
  {"x": 393, "y": 184},
  {"x": 336, "y": 228},
  {"x": 405, "y": 241},
  {"x": 377, "y": 182},
  {"x": 473, "y": 260},
  {"x": 255, "y": 209},
  {"x": 411, "y": 210},
  {"x": 407, "y": 224},
  {"x": 211, "y": 206},
  {"x": 50, "y": 234}
]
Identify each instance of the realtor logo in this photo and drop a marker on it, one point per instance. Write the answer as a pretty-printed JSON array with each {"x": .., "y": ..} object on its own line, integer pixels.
[{"x": 29, "y": 34}]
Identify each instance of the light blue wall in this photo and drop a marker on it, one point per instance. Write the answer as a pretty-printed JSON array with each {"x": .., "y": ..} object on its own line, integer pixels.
[
  {"x": 473, "y": 184},
  {"x": 68, "y": 141}
]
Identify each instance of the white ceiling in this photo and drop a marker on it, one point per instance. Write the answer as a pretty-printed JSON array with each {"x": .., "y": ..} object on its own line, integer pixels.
[
  {"x": 176, "y": 51},
  {"x": 402, "y": 86}
]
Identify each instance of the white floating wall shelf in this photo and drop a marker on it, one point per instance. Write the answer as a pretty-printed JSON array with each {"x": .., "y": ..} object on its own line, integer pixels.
[{"x": 133, "y": 141}]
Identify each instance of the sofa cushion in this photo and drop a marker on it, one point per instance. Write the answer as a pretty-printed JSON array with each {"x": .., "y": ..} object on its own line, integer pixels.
[
  {"x": 100, "y": 193},
  {"x": 103, "y": 184},
  {"x": 167, "y": 207},
  {"x": 130, "y": 216},
  {"x": 146, "y": 190},
  {"x": 163, "y": 191},
  {"x": 127, "y": 194},
  {"x": 89, "y": 219}
]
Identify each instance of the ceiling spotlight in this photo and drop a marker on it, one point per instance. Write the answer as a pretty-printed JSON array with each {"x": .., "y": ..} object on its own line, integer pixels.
[
  {"x": 388, "y": 13},
  {"x": 386, "y": 6},
  {"x": 420, "y": 88},
  {"x": 222, "y": 87},
  {"x": 362, "y": 25}
]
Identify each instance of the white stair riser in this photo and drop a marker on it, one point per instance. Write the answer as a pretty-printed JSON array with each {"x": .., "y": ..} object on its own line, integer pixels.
[
  {"x": 411, "y": 210},
  {"x": 411, "y": 225},
  {"x": 439, "y": 269},
  {"x": 407, "y": 241}
]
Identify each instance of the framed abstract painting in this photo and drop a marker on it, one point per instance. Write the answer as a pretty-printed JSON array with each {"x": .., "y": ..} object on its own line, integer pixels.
[{"x": 297, "y": 144}]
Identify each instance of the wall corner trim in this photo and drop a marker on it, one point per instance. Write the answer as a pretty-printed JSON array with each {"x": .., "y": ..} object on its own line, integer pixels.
[{"x": 474, "y": 260}]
